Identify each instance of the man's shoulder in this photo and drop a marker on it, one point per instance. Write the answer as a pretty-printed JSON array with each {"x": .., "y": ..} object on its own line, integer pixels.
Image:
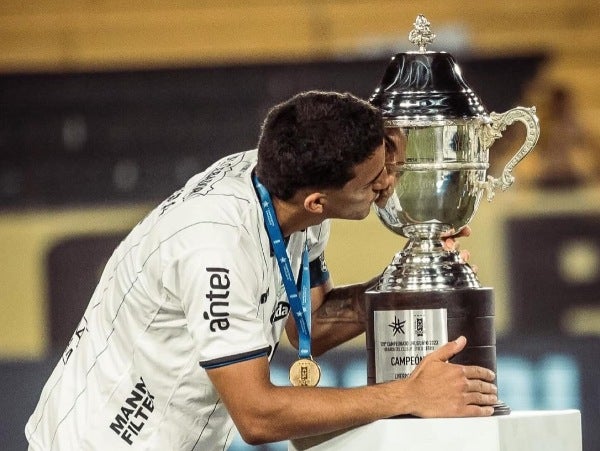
[
  {"x": 230, "y": 175},
  {"x": 221, "y": 186}
]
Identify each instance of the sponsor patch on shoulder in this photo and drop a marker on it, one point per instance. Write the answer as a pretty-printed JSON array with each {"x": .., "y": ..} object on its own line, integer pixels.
[{"x": 281, "y": 311}]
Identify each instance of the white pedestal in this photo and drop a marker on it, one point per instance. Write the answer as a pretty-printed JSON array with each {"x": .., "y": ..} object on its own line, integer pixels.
[{"x": 558, "y": 430}]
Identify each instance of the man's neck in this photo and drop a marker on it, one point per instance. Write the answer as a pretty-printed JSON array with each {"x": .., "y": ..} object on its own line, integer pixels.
[{"x": 292, "y": 217}]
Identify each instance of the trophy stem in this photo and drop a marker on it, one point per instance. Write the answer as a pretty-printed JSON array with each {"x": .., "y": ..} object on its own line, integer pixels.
[{"x": 424, "y": 264}]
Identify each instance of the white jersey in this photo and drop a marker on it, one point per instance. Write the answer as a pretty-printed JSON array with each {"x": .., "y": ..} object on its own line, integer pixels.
[{"x": 192, "y": 287}]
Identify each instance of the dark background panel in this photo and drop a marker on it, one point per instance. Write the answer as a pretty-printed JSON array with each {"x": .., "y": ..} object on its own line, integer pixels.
[
  {"x": 73, "y": 268},
  {"x": 540, "y": 294},
  {"x": 138, "y": 135}
]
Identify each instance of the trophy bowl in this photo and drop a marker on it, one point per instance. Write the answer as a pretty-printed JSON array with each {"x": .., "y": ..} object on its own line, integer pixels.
[{"x": 438, "y": 137}]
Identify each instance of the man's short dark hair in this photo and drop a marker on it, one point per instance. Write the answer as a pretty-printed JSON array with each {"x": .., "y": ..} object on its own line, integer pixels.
[{"x": 314, "y": 140}]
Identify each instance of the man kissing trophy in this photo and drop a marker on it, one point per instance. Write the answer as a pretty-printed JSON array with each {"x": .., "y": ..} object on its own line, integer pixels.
[{"x": 439, "y": 134}]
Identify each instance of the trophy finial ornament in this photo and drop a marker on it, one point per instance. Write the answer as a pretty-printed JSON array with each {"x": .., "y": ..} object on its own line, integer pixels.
[{"x": 421, "y": 34}]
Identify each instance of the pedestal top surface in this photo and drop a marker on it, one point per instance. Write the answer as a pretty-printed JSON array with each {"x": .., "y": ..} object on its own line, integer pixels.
[{"x": 552, "y": 430}]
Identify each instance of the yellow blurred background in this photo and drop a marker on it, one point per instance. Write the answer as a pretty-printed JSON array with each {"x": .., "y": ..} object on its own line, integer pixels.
[{"x": 75, "y": 35}]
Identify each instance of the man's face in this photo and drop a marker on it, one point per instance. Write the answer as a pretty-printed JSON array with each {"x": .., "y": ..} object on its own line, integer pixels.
[
  {"x": 354, "y": 199},
  {"x": 395, "y": 157}
]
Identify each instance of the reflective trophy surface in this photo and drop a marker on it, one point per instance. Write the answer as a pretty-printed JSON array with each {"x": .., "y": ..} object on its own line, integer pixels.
[{"x": 438, "y": 135}]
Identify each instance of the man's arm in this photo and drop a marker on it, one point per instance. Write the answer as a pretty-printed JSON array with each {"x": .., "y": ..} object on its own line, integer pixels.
[
  {"x": 264, "y": 412},
  {"x": 338, "y": 315}
]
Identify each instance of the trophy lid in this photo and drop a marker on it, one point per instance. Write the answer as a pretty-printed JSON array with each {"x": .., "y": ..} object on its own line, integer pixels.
[{"x": 425, "y": 85}]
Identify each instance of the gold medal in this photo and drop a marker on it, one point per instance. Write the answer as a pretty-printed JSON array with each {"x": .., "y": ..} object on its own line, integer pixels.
[{"x": 305, "y": 373}]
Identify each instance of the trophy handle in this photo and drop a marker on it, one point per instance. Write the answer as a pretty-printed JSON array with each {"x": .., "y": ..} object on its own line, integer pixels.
[{"x": 493, "y": 131}]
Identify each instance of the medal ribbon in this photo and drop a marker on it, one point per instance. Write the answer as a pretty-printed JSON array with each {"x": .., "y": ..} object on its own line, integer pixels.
[{"x": 299, "y": 302}]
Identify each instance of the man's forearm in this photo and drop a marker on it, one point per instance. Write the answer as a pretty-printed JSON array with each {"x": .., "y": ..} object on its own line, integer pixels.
[{"x": 340, "y": 317}]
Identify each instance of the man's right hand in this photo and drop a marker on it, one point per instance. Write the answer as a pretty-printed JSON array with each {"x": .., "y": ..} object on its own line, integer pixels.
[{"x": 443, "y": 389}]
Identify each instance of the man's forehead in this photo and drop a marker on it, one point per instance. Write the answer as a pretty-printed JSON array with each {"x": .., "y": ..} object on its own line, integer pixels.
[{"x": 368, "y": 171}]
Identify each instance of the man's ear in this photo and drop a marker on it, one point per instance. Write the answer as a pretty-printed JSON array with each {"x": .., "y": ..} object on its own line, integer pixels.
[{"x": 313, "y": 203}]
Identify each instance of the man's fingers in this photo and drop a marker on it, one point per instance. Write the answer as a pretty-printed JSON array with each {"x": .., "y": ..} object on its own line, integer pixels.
[
  {"x": 479, "y": 373},
  {"x": 479, "y": 386},
  {"x": 449, "y": 238},
  {"x": 465, "y": 231},
  {"x": 481, "y": 399},
  {"x": 471, "y": 372},
  {"x": 450, "y": 349},
  {"x": 478, "y": 411}
]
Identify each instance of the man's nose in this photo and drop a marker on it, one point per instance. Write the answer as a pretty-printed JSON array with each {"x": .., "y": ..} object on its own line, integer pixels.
[{"x": 383, "y": 181}]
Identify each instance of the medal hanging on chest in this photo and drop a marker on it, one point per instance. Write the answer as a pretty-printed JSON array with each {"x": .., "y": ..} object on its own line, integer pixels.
[{"x": 304, "y": 372}]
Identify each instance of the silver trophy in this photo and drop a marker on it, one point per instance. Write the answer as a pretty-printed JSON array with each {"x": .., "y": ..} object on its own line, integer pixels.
[{"x": 439, "y": 134}]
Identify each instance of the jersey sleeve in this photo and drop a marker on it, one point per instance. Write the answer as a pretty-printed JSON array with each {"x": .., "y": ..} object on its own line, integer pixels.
[
  {"x": 219, "y": 290},
  {"x": 317, "y": 241}
]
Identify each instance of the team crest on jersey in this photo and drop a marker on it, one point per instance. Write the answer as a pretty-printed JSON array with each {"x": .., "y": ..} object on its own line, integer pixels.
[
  {"x": 281, "y": 311},
  {"x": 264, "y": 297}
]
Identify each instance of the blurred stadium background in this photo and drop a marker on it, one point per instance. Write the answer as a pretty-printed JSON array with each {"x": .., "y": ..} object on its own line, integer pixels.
[{"x": 106, "y": 107}]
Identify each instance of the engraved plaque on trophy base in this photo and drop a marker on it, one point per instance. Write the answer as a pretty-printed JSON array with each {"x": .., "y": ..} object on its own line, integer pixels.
[{"x": 404, "y": 326}]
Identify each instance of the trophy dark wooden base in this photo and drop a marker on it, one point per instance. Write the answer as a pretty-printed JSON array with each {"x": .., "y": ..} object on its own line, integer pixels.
[{"x": 470, "y": 312}]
